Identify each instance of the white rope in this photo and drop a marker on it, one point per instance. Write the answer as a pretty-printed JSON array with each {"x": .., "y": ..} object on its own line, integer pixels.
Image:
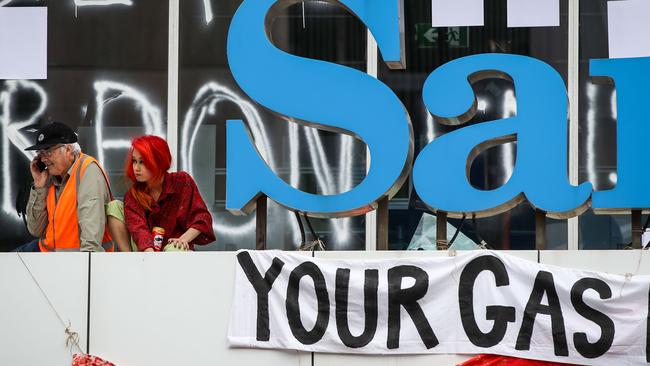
[
  {"x": 73, "y": 337},
  {"x": 630, "y": 275}
]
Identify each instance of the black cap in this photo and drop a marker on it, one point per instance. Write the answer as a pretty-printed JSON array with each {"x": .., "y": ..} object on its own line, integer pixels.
[{"x": 53, "y": 134}]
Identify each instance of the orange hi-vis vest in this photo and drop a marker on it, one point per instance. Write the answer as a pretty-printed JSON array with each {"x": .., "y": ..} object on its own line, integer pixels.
[{"x": 62, "y": 232}]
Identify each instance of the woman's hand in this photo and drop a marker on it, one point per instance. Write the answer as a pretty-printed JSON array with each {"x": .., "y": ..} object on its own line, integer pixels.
[
  {"x": 149, "y": 250},
  {"x": 179, "y": 243},
  {"x": 183, "y": 242}
]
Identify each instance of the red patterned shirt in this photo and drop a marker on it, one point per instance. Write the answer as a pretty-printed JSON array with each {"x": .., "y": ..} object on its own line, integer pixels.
[{"x": 178, "y": 208}]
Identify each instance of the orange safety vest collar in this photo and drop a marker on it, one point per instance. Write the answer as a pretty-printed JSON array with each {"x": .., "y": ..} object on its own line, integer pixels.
[{"x": 62, "y": 232}]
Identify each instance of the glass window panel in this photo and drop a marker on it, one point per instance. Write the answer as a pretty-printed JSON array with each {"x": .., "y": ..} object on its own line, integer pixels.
[
  {"x": 107, "y": 78},
  {"x": 314, "y": 161},
  {"x": 426, "y": 49},
  {"x": 598, "y": 133}
]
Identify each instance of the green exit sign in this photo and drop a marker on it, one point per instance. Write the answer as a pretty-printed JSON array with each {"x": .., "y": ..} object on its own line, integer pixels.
[{"x": 429, "y": 37}]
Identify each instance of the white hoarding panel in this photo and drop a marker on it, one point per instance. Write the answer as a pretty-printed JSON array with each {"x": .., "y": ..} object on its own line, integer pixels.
[
  {"x": 30, "y": 330},
  {"x": 169, "y": 309}
]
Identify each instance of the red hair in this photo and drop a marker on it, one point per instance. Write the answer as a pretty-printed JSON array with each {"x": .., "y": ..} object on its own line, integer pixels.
[{"x": 156, "y": 157}]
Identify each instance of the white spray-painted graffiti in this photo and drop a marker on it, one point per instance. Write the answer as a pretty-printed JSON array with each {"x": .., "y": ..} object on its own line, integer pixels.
[
  {"x": 14, "y": 132},
  {"x": 84, "y": 2},
  {"x": 205, "y": 103},
  {"x": 151, "y": 117},
  {"x": 207, "y": 6},
  {"x": 102, "y": 2}
]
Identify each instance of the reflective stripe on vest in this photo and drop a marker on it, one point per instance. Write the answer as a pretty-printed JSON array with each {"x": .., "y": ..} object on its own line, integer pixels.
[{"x": 62, "y": 232}]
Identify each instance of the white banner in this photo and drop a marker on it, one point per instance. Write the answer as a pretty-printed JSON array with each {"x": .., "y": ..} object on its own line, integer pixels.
[{"x": 477, "y": 302}]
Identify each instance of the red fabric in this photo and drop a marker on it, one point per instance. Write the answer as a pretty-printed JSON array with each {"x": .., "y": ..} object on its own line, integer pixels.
[
  {"x": 88, "y": 360},
  {"x": 179, "y": 208},
  {"x": 495, "y": 360}
]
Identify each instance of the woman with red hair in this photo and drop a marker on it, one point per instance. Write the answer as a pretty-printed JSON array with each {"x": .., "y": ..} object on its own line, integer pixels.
[{"x": 157, "y": 198}]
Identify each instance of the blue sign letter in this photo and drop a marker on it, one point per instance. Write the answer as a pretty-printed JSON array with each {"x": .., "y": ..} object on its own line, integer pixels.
[
  {"x": 318, "y": 94},
  {"x": 441, "y": 171},
  {"x": 631, "y": 78}
]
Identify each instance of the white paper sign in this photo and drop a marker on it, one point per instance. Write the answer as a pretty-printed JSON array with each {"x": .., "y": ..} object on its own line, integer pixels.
[
  {"x": 23, "y": 43},
  {"x": 478, "y": 302},
  {"x": 533, "y": 13},
  {"x": 628, "y": 28},
  {"x": 452, "y": 13}
]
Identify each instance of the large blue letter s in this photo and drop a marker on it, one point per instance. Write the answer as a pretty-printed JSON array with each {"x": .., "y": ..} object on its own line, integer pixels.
[{"x": 319, "y": 94}]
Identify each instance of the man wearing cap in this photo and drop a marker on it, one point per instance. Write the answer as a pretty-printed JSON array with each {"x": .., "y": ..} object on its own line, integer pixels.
[{"x": 66, "y": 208}]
